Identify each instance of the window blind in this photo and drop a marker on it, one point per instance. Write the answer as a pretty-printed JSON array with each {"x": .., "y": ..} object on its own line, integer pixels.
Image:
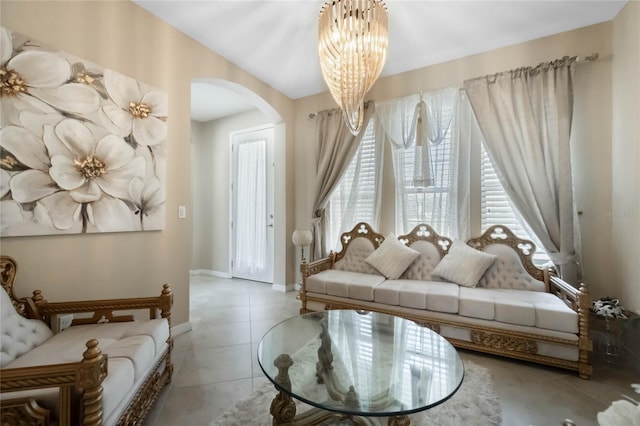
[{"x": 498, "y": 210}]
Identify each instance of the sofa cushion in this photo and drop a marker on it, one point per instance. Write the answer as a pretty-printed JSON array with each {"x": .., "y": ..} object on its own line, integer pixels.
[
  {"x": 392, "y": 258},
  {"x": 507, "y": 271},
  {"x": 521, "y": 307},
  {"x": 18, "y": 335},
  {"x": 430, "y": 295},
  {"x": 421, "y": 269},
  {"x": 354, "y": 259},
  {"x": 464, "y": 265},
  {"x": 344, "y": 283}
]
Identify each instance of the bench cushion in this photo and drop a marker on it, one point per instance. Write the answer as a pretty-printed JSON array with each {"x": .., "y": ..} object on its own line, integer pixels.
[
  {"x": 521, "y": 307},
  {"x": 430, "y": 295},
  {"x": 353, "y": 285}
]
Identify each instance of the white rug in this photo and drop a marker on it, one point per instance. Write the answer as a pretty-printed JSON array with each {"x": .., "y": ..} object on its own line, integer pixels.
[{"x": 475, "y": 404}]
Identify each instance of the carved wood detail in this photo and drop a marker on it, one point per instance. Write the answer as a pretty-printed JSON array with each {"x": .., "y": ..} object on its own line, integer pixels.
[
  {"x": 24, "y": 412},
  {"x": 424, "y": 232},
  {"x": 509, "y": 343}
]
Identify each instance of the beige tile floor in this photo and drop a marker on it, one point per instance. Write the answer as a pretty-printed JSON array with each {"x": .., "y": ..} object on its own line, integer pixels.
[{"x": 216, "y": 366}]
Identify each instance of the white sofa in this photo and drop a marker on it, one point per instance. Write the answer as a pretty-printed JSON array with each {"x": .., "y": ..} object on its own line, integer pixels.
[
  {"x": 512, "y": 308},
  {"x": 106, "y": 369}
]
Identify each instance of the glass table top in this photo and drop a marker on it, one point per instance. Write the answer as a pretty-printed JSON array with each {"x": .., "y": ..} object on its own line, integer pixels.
[{"x": 369, "y": 364}]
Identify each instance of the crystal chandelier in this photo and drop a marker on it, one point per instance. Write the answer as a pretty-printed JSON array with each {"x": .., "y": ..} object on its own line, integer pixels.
[{"x": 352, "y": 44}]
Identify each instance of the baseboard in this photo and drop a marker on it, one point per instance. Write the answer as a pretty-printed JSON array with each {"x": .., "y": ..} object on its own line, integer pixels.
[
  {"x": 179, "y": 329},
  {"x": 283, "y": 288},
  {"x": 210, "y": 273}
]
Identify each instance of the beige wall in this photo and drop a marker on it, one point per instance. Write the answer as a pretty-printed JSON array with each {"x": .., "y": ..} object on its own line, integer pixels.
[
  {"x": 210, "y": 180},
  {"x": 624, "y": 217},
  {"x": 124, "y": 37},
  {"x": 591, "y": 142}
]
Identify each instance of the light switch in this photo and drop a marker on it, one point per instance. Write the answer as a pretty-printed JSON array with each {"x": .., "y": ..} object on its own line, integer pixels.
[{"x": 182, "y": 212}]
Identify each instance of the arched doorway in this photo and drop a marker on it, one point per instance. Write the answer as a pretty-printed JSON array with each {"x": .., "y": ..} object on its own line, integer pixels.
[{"x": 232, "y": 108}]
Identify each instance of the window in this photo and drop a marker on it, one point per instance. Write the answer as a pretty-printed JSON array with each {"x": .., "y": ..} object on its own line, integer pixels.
[
  {"x": 431, "y": 204},
  {"x": 354, "y": 200},
  {"x": 498, "y": 210}
]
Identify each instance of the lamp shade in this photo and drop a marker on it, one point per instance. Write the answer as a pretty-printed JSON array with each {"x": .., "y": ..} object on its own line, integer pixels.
[
  {"x": 352, "y": 45},
  {"x": 302, "y": 237}
]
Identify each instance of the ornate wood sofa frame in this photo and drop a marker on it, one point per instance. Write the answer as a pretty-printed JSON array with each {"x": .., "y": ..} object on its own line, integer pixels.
[
  {"x": 79, "y": 384},
  {"x": 515, "y": 342}
]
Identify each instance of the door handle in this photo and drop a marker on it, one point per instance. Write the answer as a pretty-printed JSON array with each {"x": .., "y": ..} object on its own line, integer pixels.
[{"x": 270, "y": 225}]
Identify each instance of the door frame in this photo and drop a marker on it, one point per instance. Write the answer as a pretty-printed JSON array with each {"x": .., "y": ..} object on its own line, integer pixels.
[{"x": 262, "y": 127}]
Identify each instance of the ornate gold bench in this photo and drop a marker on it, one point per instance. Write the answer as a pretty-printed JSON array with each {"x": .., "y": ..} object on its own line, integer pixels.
[
  {"x": 513, "y": 308},
  {"x": 106, "y": 368}
]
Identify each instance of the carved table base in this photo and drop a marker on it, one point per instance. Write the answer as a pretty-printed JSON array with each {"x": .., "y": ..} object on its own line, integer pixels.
[{"x": 283, "y": 410}]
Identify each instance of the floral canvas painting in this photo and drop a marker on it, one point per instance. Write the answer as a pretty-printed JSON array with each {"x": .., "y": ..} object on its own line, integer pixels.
[{"x": 82, "y": 148}]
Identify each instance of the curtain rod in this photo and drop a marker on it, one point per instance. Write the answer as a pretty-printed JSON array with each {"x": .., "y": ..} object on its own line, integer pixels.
[
  {"x": 313, "y": 114},
  {"x": 578, "y": 59}
]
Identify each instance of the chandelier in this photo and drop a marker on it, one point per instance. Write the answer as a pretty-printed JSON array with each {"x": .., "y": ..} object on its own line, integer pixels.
[{"x": 352, "y": 44}]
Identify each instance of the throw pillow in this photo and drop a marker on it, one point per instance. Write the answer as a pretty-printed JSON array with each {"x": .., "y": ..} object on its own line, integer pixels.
[
  {"x": 18, "y": 335},
  {"x": 464, "y": 265},
  {"x": 392, "y": 258}
]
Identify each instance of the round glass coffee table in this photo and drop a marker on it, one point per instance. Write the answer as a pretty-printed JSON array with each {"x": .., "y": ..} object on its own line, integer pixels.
[{"x": 356, "y": 365}]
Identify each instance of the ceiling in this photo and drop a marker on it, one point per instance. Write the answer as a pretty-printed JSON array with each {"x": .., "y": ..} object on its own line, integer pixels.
[{"x": 275, "y": 40}]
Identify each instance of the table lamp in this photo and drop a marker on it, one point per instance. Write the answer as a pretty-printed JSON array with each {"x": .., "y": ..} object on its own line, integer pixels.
[{"x": 301, "y": 238}]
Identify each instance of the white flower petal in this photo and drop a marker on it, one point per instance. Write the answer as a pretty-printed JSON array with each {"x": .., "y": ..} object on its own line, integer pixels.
[
  {"x": 116, "y": 182},
  {"x": 120, "y": 118},
  {"x": 62, "y": 210},
  {"x": 53, "y": 143},
  {"x": 121, "y": 89},
  {"x": 77, "y": 137},
  {"x": 110, "y": 215},
  {"x": 6, "y": 44},
  {"x": 35, "y": 122},
  {"x": 158, "y": 102},
  {"x": 73, "y": 97},
  {"x": 12, "y": 218},
  {"x": 31, "y": 185},
  {"x": 114, "y": 152},
  {"x": 12, "y": 108},
  {"x": 65, "y": 173},
  {"x": 149, "y": 131},
  {"x": 87, "y": 193},
  {"x": 27, "y": 148},
  {"x": 41, "y": 69},
  {"x": 4, "y": 182}
]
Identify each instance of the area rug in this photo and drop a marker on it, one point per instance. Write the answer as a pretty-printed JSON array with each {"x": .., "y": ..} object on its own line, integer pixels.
[{"x": 475, "y": 404}]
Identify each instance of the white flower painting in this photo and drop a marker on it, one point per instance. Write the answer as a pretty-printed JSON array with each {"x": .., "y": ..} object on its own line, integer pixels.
[{"x": 82, "y": 148}]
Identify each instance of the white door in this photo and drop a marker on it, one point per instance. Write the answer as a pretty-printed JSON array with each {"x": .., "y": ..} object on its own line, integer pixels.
[{"x": 252, "y": 204}]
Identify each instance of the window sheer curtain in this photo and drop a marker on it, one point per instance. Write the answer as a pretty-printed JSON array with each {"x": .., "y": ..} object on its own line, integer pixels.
[
  {"x": 357, "y": 197},
  {"x": 425, "y": 167},
  {"x": 335, "y": 149},
  {"x": 251, "y": 233},
  {"x": 525, "y": 116}
]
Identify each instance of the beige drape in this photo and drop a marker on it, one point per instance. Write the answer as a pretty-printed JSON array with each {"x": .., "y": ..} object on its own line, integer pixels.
[
  {"x": 336, "y": 146},
  {"x": 525, "y": 116}
]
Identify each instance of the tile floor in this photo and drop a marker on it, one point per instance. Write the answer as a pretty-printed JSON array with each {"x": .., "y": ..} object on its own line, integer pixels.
[{"x": 216, "y": 366}]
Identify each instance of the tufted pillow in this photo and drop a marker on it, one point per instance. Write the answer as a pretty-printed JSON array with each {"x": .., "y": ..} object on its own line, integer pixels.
[
  {"x": 392, "y": 258},
  {"x": 464, "y": 265},
  {"x": 507, "y": 271},
  {"x": 354, "y": 258},
  {"x": 18, "y": 334},
  {"x": 422, "y": 268}
]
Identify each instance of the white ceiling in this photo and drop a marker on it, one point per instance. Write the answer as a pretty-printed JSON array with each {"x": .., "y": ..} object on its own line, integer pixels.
[{"x": 275, "y": 40}]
